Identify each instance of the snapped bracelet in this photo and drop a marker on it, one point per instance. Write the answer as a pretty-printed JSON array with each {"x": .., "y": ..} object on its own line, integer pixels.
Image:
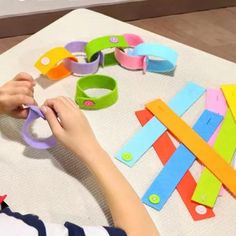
[
  {"x": 98, "y": 44},
  {"x": 166, "y": 61},
  {"x": 92, "y": 82},
  {"x": 82, "y": 68},
  {"x": 51, "y": 63},
  {"x": 34, "y": 114},
  {"x": 129, "y": 61}
]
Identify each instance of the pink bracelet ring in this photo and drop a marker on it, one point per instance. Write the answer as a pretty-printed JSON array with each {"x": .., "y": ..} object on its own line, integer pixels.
[{"x": 128, "y": 61}]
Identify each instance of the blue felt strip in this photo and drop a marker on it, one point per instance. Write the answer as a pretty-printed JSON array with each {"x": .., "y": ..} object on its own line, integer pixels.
[
  {"x": 168, "y": 56},
  {"x": 149, "y": 133},
  {"x": 181, "y": 160}
]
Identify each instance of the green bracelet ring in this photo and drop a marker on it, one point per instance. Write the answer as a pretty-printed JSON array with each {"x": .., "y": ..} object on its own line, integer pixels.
[
  {"x": 96, "y": 81},
  {"x": 98, "y": 44}
]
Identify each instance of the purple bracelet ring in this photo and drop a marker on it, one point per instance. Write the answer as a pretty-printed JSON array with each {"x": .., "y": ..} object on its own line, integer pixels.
[
  {"x": 82, "y": 68},
  {"x": 34, "y": 114}
]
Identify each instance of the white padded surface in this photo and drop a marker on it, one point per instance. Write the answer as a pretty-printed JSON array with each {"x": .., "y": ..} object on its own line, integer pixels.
[{"x": 53, "y": 183}]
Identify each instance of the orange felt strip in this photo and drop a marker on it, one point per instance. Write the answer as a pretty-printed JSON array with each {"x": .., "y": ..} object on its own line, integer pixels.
[
  {"x": 58, "y": 72},
  {"x": 201, "y": 149}
]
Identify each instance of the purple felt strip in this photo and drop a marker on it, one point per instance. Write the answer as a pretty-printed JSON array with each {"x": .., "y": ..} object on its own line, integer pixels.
[
  {"x": 35, "y": 113},
  {"x": 81, "y": 68}
]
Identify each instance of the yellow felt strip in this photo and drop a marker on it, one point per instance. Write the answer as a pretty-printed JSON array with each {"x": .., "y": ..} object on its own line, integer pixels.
[
  {"x": 51, "y": 58},
  {"x": 229, "y": 91}
]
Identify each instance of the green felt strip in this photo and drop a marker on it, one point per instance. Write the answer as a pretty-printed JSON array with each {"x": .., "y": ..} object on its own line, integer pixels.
[
  {"x": 209, "y": 186},
  {"x": 98, "y": 44},
  {"x": 100, "y": 82}
]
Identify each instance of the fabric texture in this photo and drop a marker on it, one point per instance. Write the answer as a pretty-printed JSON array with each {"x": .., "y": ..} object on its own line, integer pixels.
[{"x": 55, "y": 184}]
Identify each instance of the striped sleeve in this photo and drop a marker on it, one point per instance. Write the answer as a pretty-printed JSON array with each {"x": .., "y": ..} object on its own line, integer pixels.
[
  {"x": 30, "y": 220},
  {"x": 74, "y": 230},
  {"x": 13, "y": 223}
]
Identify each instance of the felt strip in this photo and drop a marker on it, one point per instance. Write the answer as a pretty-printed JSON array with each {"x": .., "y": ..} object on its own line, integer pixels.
[
  {"x": 164, "y": 148},
  {"x": 205, "y": 154}
]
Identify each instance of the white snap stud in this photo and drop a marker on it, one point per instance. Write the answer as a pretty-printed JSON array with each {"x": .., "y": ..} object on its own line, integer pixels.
[
  {"x": 45, "y": 61},
  {"x": 201, "y": 210}
]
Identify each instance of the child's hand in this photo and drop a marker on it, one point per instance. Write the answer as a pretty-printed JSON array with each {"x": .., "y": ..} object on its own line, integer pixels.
[
  {"x": 15, "y": 93},
  {"x": 74, "y": 132},
  {"x": 70, "y": 126}
]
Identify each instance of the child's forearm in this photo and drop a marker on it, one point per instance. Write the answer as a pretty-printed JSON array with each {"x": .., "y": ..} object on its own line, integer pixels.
[
  {"x": 74, "y": 132},
  {"x": 127, "y": 211}
]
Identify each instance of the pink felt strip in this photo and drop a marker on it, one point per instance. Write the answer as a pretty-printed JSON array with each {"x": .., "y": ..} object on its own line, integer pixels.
[
  {"x": 126, "y": 60},
  {"x": 215, "y": 102}
]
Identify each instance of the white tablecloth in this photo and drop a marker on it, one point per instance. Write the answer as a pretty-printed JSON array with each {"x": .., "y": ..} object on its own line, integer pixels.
[{"x": 53, "y": 183}]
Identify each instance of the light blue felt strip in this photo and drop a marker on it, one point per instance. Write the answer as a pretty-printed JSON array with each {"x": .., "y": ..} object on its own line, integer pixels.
[
  {"x": 168, "y": 56},
  {"x": 149, "y": 133},
  {"x": 181, "y": 160}
]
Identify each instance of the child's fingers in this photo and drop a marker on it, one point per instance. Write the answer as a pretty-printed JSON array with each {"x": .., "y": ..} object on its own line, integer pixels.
[
  {"x": 63, "y": 109},
  {"x": 26, "y": 84},
  {"x": 52, "y": 120},
  {"x": 23, "y": 91},
  {"x": 71, "y": 102},
  {"x": 20, "y": 113},
  {"x": 59, "y": 107},
  {"x": 63, "y": 100},
  {"x": 21, "y": 99},
  {"x": 24, "y": 77}
]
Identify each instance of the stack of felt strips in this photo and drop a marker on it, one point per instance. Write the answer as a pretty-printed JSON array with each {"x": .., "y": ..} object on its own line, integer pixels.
[{"x": 211, "y": 141}]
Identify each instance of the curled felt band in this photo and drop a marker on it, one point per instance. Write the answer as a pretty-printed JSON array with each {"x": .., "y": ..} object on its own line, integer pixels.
[
  {"x": 100, "y": 82},
  {"x": 51, "y": 63},
  {"x": 81, "y": 68},
  {"x": 98, "y": 44},
  {"x": 34, "y": 114},
  {"x": 128, "y": 61},
  {"x": 166, "y": 57}
]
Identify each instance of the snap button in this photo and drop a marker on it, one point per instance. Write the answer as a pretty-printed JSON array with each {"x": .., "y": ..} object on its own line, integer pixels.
[
  {"x": 201, "y": 210},
  {"x": 154, "y": 199},
  {"x": 127, "y": 156},
  {"x": 114, "y": 39},
  {"x": 88, "y": 103},
  {"x": 45, "y": 61}
]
